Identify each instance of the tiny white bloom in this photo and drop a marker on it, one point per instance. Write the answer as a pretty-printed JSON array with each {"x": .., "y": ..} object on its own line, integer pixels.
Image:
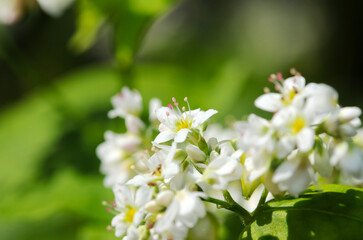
[
  {"x": 348, "y": 157},
  {"x": 186, "y": 208},
  {"x": 273, "y": 102},
  {"x": 176, "y": 124},
  {"x": 130, "y": 203},
  {"x": 126, "y": 103},
  {"x": 115, "y": 155},
  {"x": 295, "y": 174},
  {"x": 296, "y": 125}
]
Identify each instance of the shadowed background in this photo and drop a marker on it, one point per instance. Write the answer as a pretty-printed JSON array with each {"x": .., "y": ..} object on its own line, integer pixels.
[{"x": 57, "y": 76}]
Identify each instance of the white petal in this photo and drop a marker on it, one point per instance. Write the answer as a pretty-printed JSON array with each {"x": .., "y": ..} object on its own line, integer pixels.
[
  {"x": 154, "y": 105},
  {"x": 164, "y": 136},
  {"x": 285, "y": 171},
  {"x": 195, "y": 153},
  {"x": 143, "y": 195},
  {"x": 134, "y": 124},
  {"x": 347, "y": 114},
  {"x": 270, "y": 102},
  {"x": 305, "y": 139},
  {"x": 296, "y": 82},
  {"x": 202, "y": 117},
  {"x": 299, "y": 182},
  {"x": 181, "y": 135},
  {"x": 166, "y": 220}
]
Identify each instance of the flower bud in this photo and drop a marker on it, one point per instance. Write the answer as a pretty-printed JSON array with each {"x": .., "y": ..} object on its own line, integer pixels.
[
  {"x": 347, "y": 114},
  {"x": 153, "y": 207},
  {"x": 195, "y": 153},
  {"x": 164, "y": 198},
  {"x": 213, "y": 143}
]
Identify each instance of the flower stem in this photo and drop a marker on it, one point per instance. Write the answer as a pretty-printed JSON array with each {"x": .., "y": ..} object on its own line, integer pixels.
[{"x": 234, "y": 207}]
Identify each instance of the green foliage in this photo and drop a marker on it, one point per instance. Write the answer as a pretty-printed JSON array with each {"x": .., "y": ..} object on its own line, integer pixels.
[
  {"x": 67, "y": 203},
  {"x": 334, "y": 212}
]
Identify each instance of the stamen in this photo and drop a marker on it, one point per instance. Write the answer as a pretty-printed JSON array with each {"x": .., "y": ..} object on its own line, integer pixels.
[
  {"x": 186, "y": 100},
  {"x": 183, "y": 109},
  {"x": 167, "y": 114},
  {"x": 279, "y": 76},
  {"x": 173, "y": 98},
  {"x": 170, "y": 106},
  {"x": 266, "y": 90},
  {"x": 176, "y": 104},
  {"x": 109, "y": 228}
]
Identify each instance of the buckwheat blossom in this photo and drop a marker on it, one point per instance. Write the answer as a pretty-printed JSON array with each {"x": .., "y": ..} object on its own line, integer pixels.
[
  {"x": 185, "y": 209},
  {"x": 288, "y": 89},
  {"x": 130, "y": 205},
  {"x": 295, "y": 174},
  {"x": 175, "y": 124},
  {"x": 223, "y": 168},
  {"x": 162, "y": 183},
  {"x": 348, "y": 157},
  {"x": 116, "y": 155},
  {"x": 126, "y": 103},
  {"x": 159, "y": 169}
]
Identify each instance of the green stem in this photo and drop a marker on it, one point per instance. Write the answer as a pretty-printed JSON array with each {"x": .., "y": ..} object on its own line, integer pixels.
[
  {"x": 245, "y": 215},
  {"x": 261, "y": 202},
  {"x": 234, "y": 207}
]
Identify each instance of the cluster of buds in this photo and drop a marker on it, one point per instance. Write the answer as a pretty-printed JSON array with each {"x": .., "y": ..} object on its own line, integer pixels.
[{"x": 163, "y": 171}]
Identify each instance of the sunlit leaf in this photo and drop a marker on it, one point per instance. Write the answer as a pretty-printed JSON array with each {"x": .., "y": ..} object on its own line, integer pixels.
[{"x": 336, "y": 212}]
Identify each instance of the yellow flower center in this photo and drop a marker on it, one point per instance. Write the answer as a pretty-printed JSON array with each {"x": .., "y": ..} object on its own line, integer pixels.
[
  {"x": 287, "y": 99},
  {"x": 183, "y": 123},
  {"x": 129, "y": 216},
  {"x": 297, "y": 125}
]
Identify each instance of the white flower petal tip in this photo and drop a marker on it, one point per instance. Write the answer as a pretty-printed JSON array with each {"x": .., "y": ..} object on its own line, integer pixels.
[{"x": 270, "y": 102}]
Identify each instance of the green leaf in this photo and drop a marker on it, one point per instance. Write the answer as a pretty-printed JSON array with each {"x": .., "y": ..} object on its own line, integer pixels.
[
  {"x": 334, "y": 212},
  {"x": 30, "y": 128}
]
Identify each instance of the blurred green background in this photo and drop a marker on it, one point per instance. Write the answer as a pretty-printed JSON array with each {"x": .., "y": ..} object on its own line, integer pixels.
[{"x": 57, "y": 76}]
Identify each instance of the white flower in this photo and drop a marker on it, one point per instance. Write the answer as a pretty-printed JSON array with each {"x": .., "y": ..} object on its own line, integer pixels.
[
  {"x": 160, "y": 169},
  {"x": 134, "y": 124},
  {"x": 126, "y": 103},
  {"x": 55, "y": 8},
  {"x": 223, "y": 169},
  {"x": 343, "y": 122},
  {"x": 273, "y": 102},
  {"x": 130, "y": 204},
  {"x": 257, "y": 132},
  {"x": 175, "y": 124},
  {"x": 184, "y": 210},
  {"x": 295, "y": 174},
  {"x": 295, "y": 124},
  {"x": 320, "y": 157},
  {"x": 348, "y": 157},
  {"x": 320, "y": 100},
  {"x": 115, "y": 155}
]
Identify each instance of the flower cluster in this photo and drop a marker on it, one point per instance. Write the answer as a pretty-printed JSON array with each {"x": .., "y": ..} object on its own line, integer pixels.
[
  {"x": 309, "y": 133},
  {"x": 163, "y": 172}
]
